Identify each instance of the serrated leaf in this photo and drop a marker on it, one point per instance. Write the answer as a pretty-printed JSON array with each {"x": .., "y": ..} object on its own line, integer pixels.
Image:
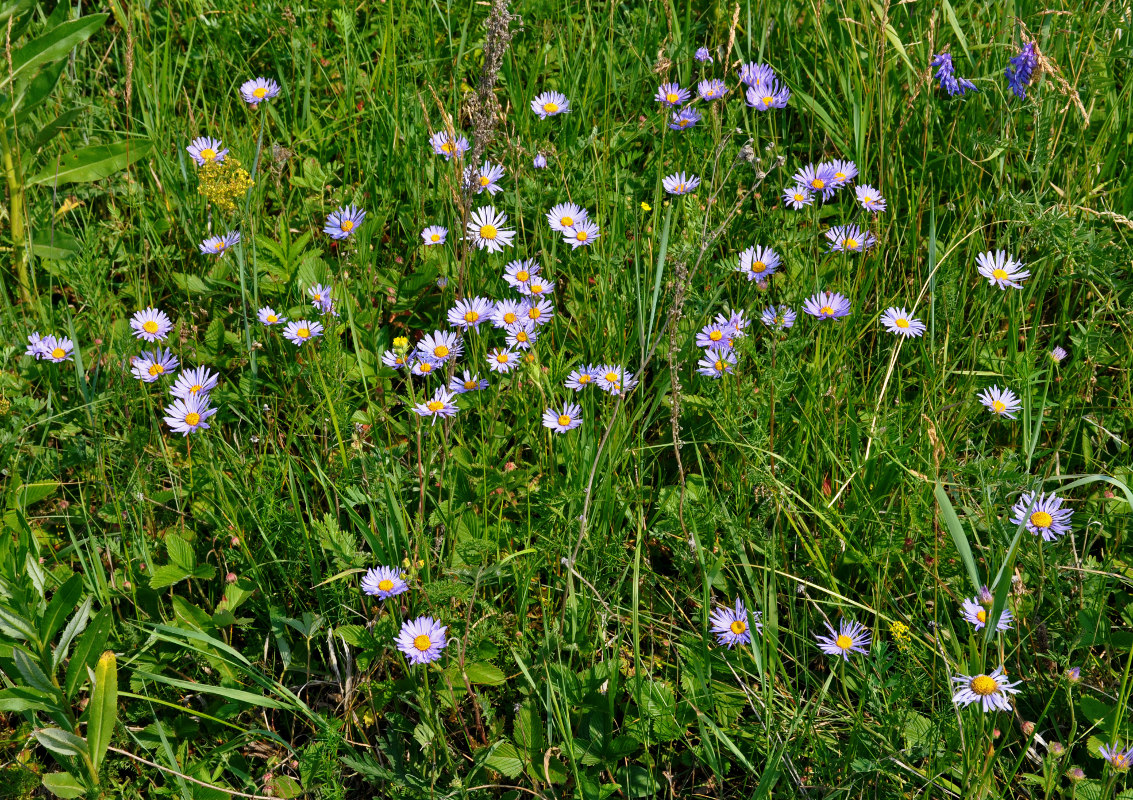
[
  {"x": 31, "y": 493},
  {"x": 180, "y": 552},
  {"x": 167, "y": 575},
  {"x": 506, "y": 760}
]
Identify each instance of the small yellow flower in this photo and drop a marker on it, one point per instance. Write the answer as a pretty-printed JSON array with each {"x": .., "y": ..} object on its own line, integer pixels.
[
  {"x": 401, "y": 344},
  {"x": 223, "y": 182},
  {"x": 900, "y": 633},
  {"x": 645, "y": 206}
]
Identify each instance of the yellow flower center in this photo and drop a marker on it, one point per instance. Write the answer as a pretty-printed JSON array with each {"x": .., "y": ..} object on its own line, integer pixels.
[
  {"x": 768, "y": 100},
  {"x": 818, "y": 183},
  {"x": 999, "y": 274},
  {"x": 385, "y": 585},
  {"x": 58, "y": 352},
  {"x": 844, "y": 642},
  {"x": 422, "y": 642},
  {"x": 1041, "y": 519},
  {"x": 347, "y": 225},
  {"x": 536, "y": 288},
  {"x": 522, "y": 275},
  {"x": 487, "y": 231},
  {"x": 998, "y": 406},
  {"x": 981, "y": 615},
  {"x": 208, "y": 154},
  {"x": 716, "y": 336},
  {"x": 196, "y": 387},
  {"x": 318, "y": 298},
  {"x": 471, "y": 316},
  {"x": 550, "y": 108},
  {"x": 426, "y": 366},
  {"x": 584, "y": 379},
  {"x": 867, "y": 199},
  {"x": 272, "y": 318},
  {"x": 218, "y": 246},
  {"x": 501, "y": 358},
  {"x": 612, "y": 377},
  {"x": 192, "y": 418},
  {"x": 435, "y": 237},
  {"x": 469, "y": 385},
  {"x": 683, "y": 123},
  {"x": 679, "y": 188},
  {"x": 738, "y": 627},
  {"x": 758, "y": 266},
  {"x": 672, "y": 97},
  {"x": 984, "y": 685},
  {"x": 566, "y": 222},
  {"x": 564, "y": 419},
  {"x": 434, "y": 406},
  {"x": 447, "y": 147},
  {"x": 149, "y": 326},
  {"x": 841, "y": 176},
  {"x": 719, "y": 366},
  {"x": 901, "y": 323},
  {"x": 534, "y": 312},
  {"x": 440, "y": 351},
  {"x": 510, "y": 317},
  {"x": 156, "y": 369},
  {"x": 850, "y": 243},
  {"x": 529, "y": 358},
  {"x": 259, "y": 92},
  {"x": 826, "y": 310},
  {"x": 303, "y": 333}
]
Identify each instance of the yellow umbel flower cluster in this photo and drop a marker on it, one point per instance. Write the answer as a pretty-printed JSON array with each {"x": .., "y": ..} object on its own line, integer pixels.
[
  {"x": 900, "y": 633},
  {"x": 221, "y": 182}
]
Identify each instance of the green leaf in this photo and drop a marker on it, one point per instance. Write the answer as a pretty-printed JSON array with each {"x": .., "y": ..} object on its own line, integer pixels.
[
  {"x": 506, "y": 760},
  {"x": 36, "y": 90},
  {"x": 62, "y": 784},
  {"x": 52, "y": 129},
  {"x": 31, "y": 493},
  {"x": 167, "y": 575},
  {"x": 240, "y": 696},
  {"x": 90, "y": 644},
  {"x": 76, "y": 626},
  {"x": 637, "y": 781},
  {"x": 180, "y": 552},
  {"x": 54, "y": 44},
  {"x": 62, "y": 742},
  {"x": 31, "y": 672},
  {"x": 11, "y": 9},
  {"x": 23, "y": 698},
  {"x": 285, "y": 786},
  {"x": 55, "y": 245},
  {"x": 952, "y": 522},
  {"x": 62, "y": 603},
  {"x": 92, "y": 163},
  {"x": 954, "y": 24},
  {"x": 102, "y": 713},
  {"x": 482, "y": 674},
  {"x": 15, "y": 626},
  {"x": 189, "y": 283}
]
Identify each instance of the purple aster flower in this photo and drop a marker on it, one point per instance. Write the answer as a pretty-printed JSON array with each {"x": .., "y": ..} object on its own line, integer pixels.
[
  {"x": 1058, "y": 354},
  {"x": 671, "y": 95},
  {"x": 536, "y": 286},
  {"x": 56, "y": 348},
  {"x": 849, "y": 239},
  {"x": 897, "y": 321},
  {"x": 218, "y": 245},
  {"x": 193, "y": 382},
  {"x": 151, "y": 325},
  {"x": 579, "y": 379},
  {"x": 538, "y": 310},
  {"x": 733, "y": 626},
  {"x": 486, "y": 179},
  {"x": 581, "y": 234},
  {"x": 713, "y": 89},
  {"x": 766, "y": 96},
  {"x": 501, "y": 360},
  {"x": 679, "y": 183},
  {"x": 614, "y": 379},
  {"x": 779, "y": 318},
  {"x": 268, "y": 316},
  {"x": 714, "y": 335},
  {"x": 870, "y": 198},
  {"x": 1119, "y": 759},
  {"x": 434, "y": 234},
  {"x": 422, "y": 640},
  {"x": 384, "y": 582},
  {"x": 444, "y": 145},
  {"x": 716, "y": 362},
  {"x": 204, "y": 149},
  {"x": 798, "y": 197},
  {"x": 818, "y": 178},
  {"x": 990, "y": 691},
  {"x": 522, "y": 335},
  {"x": 342, "y": 222},
  {"x": 1022, "y": 70},
  {"x": 189, "y": 415},
  {"x": 683, "y": 119},
  {"x": 422, "y": 365},
  {"x": 540, "y": 161},
  {"x": 461, "y": 384},
  {"x": 756, "y": 75},
  {"x": 758, "y": 263},
  {"x": 321, "y": 298},
  {"x": 440, "y": 346},
  {"x": 850, "y": 637},
  {"x": 844, "y": 171},
  {"x": 441, "y": 405},
  {"x": 565, "y": 419},
  {"x": 1001, "y": 269},
  {"x": 258, "y": 90},
  {"x": 702, "y": 55},
  {"x": 150, "y": 366},
  {"x": 509, "y": 312},
  {"x": 1001, "y": 402},
  {"x": 1043, "y": 514},
  {"x": 35, "y": 346},
  {"x": 564, "y": 216},
  {"x": 974, "y": 613},
  {"x": 395, "y": 360},
  {"x": 486, "y": 230},
  {"x": 827, "y": 305},
  {"x": 550, "y": 104},
  {"x": 469, "y": 313},
  {"x": 302, "y": 331}
]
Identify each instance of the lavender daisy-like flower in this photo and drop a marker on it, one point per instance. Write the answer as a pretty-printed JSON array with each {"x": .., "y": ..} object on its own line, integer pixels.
[
  {"x": 422, "y": 640},
  {"x": 501, "y": 360},
  {"x": 716, "y": 362},
  {"x": 756, "y": 75},
  {"x": 522, "y": 335},
  {"x": 672, "y": 95},
  {"x": 897, "y": 321},
  {"x": 434, "y": 234},
  {"x": 702, "y": 55},
  {"x": 564, "y": 216},
  {"x": 537, "y": 286},
  {"x": 1001, "y": 269},
  {"x": 712, "y": 89},
  {"x": 798, "y": 197},
  {"x": 683, "y": 119},
  {"x": 975, "y": 613},
  {"x": 850, "y": 637},
  {"x": 713, "y": 335},
  {"x": 56, "y": 348},
  {"x": 1021, "y": 70},
  {"x": 439, "y": 406},
  {"x": 1043, "y": 514},
  {"x": 615, "y": 379},
  {"x": 507, "y": 313},
  {"x": 321, "y": 297},
  {"x": 258, "y": 90},
  {"x": 1119, "y": 759},
  {"x": 204, "y": 149},
  {"x": 150, "y": 366},
  {"x": 679, "y": 183},
  {"x": 194, "y": 382},
  {"x": 990, "y": 691},
  {"x": 844, "y": 171},
  {"x": 151, "y": 325},
  {"x": 268, "y": 316},
  {"x": 581, "y": 234},
  {"x": 469, "y": 313},
  {"x": 218, "y": 245},
  {"x": 520, "y": 272},
  {"x": 35, "y": 346},
  {"x": 779, "y": 318},
  {"x": 767, "y": 96},
  {"x": 540, "y": 161},
  {"x": 1058, "y": 354},
  {"x": 827, "y": 305},
  {"x": 302, "y": 331},
  {"x": 732, "y": 625},
  {"x": 579, "y": 379},
  {"x": 461, "y": 384},
  {"x": 946, "y": 75},
  {"x": 189, "y": 415},
  {"x": 342, "y": 222},
  {"x": 550, "y": 104},
  {"x": 486, "y": 230},
  {"x": 440, "y": 346},
  {"x": 538, "y": 311},
  {"x": 870, "y": 198},
  {"x": 849, "y": 239},
  {"x": 384, "y": 583},
  {"x": 818, "y": 178},
  {"x": 395, "y": 360},
  {"x": 758, "y": 263},
  {"x": 562, "y": 420},
  {"x": 445, "y": 145},
  {"x": 486, "y": 179},
  {"x": 1001, "y": 402},
  {"x": 422, "y": 365}
]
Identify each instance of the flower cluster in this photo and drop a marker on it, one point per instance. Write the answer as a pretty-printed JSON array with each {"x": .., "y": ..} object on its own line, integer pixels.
[{"x": 49, "y": 348}]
